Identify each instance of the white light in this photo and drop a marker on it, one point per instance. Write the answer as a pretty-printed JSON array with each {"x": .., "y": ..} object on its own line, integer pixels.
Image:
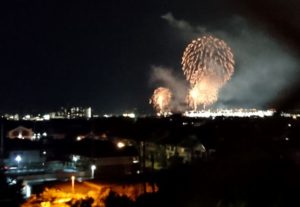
[
  {"x": 287, "y": 139},
  {"x": 120, "y": 145},
  {"x": 75, "y": 158},
  {"x": 18, "y": 158},
  {"x": 129, "y": 115},
  {"x": 20, "y": 135},
  {"x": 45, "y": 134},
  {"x": 27, "y": 191},
  {"x": 46, "y": 117},
  {"x": 289, "y": 125},
  {"x": 89, "y": 112},
  {"x": 33, "y": 136},
  {"x": 78, "y": 138},
  {"x": 93, "y": 168},
  {"x": 138, "y": 172},
  {"x": 44, "y": 152},
  {"x": 11, "y": 181},
  {"x": 135, "y": 160}
]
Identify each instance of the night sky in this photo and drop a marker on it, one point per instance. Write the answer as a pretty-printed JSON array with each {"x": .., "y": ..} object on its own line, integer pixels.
[{"x": 102, "y": 53}]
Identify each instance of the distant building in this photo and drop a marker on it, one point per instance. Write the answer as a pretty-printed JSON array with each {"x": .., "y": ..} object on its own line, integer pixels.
[
  {"x": 161, "y": 155},
  {"x": 21, "y": 133},
  {"x": 14, "y": 117},
  {"x": 110, "y": 166},
  {"x": 73, "y": 113}
]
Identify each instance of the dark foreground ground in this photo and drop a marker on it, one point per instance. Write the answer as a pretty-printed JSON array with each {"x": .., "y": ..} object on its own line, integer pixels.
[{"x": 256, "y": 163}]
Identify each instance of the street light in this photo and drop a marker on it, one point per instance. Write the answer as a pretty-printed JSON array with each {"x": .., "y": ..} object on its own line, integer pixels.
[
  {"x": 73, "y": 183},
  {"x": 75, "y": 158},
  {"x": 120, "y": 145},
  {"x": 18, "y": 159},
  {"x": 93, "y": 168}
]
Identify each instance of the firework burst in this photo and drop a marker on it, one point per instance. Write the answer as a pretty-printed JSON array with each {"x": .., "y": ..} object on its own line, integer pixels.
[
  {"x": 207, "y": 57},
  {"x": 161, "y": 99},
  {"x": 202, "y": 94},
  {"x": 207, "y": 64}
]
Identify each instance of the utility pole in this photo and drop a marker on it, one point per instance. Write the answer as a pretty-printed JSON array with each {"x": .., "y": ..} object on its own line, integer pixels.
[
  {"x": 2, "y": 140},
  {"x": 143, "y": 157}
]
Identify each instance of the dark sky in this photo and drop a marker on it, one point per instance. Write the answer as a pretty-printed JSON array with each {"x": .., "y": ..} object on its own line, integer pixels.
[{"x": 100, "y": 53}]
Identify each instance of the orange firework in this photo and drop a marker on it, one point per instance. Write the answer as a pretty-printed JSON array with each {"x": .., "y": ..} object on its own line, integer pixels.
[
  {"x": 207, "y": 64},
  {"x": 202, "y": 94},
  {"x": 207, "y": 57},
  {"x": 161, "y": 99}
]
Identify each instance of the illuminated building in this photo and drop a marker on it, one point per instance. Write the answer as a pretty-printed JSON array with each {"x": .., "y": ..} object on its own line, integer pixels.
[
  {"x": 74, "y": 113},
  {"x": 21, "y": 133}
]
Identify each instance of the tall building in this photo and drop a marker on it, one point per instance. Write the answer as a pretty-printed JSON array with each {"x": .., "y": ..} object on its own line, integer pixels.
[{"x": 75, "y": 112}]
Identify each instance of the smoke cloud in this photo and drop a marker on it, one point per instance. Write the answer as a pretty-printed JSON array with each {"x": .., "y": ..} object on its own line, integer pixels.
[
  {"x": 162, "y": 76},
  {"x": 187, "y": 30},
  {"x": 264, "y": 68}
]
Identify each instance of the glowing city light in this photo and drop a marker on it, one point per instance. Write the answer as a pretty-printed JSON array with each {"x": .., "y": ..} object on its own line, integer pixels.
[
  {"x": 75, "y": 158},
  {"x": 120, "y": 145},
  {"x": 18, "y": 158},
  {"x": 129, "y": 115},
  {"x": 230, "y": 113}
]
